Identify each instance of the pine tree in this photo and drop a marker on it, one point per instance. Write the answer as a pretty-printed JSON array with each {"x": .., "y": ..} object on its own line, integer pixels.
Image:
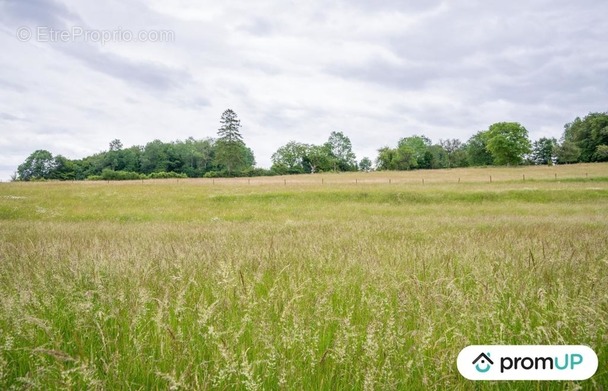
[
  {"x": 229, "y": 129},
  {"x": 231, "y": 153}
]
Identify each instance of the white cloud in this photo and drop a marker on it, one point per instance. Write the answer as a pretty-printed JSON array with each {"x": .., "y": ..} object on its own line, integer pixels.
[{"x": 377, "y": 71}]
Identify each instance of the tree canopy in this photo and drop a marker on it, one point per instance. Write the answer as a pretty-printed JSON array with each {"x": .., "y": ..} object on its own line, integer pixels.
[
  {"x": 508, "y": 143},
  {"x": 590, "y": 135},
  {"x": 291, "y": 158},
  {"x": 39, "y": 165},
  {"x": 334, "y": 155},
  {"x": 544, "y": 150},
  {"x": 340, "y": 149},
  {"x": 503, "y": 143}
]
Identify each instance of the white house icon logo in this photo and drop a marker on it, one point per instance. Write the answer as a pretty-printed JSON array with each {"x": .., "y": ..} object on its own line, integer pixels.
[{"x": 483, "y": 363}]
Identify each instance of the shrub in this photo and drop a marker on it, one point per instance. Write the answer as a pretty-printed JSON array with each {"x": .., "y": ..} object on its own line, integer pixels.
[
  {"x": 166, "y": 175},
  {"x": 111, "y": 175},
  {"x": 258, "y": 172},
  {"x": 211, "y": 174}
]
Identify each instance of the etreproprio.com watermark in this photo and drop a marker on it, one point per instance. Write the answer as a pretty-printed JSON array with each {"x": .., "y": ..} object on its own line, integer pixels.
[{"x": 101, "y": 36}]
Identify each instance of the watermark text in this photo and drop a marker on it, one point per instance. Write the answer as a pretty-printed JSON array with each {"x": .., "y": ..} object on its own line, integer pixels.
[{"x": 48, "y": 34}]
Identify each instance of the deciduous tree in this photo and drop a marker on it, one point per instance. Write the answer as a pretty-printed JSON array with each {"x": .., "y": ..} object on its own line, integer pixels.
[
  {"x": 588, "y": 134},
  {"x": 477, "y": 151},
  {"x": 567, "y": 152},
  {"x": 508, "y": 143},
  {"x": 543, "y": 150},
  {"x": 456, "y": 154},
  {"x": 290, "y": 158},
  {"x": 418, "y": 146},
  {"x": 365, "y": 164},
  {"x": 39, "y": 165},
  {"x": 340, "y": 149}
]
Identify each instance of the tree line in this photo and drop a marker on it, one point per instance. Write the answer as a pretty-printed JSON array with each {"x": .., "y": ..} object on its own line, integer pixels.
[{"x": 503, "y": 143}]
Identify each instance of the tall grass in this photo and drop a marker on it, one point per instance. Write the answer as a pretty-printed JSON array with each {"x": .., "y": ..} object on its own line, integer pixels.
[{"x": 315, "y": 286}]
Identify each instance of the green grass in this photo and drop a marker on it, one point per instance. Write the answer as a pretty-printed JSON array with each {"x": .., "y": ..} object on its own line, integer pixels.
[{"x": 298, "y": 285}]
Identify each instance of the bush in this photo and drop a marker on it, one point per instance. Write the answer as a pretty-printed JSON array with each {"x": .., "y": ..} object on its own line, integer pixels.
[
  {"x": 250, "y": 172},
  {"x": 258, "y": 172},
  {"x": 111, "y": 175},
  {"x": 211, "y": 174},
  {"x": 166, "y": 175}
]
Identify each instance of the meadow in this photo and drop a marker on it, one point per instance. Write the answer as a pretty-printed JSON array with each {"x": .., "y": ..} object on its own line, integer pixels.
[{"x": 359, "y": 281}]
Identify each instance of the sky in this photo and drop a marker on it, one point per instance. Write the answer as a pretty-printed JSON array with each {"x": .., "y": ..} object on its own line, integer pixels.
[{"x": 76, "y": 74}]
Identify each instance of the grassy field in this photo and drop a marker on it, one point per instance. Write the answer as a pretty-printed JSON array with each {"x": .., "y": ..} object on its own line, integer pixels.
[{"x": 336, "y": 281}]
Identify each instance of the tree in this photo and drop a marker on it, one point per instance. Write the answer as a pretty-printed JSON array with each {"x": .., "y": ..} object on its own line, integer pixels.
[
  {"x": 115, "y": 145},
  {"x": 455, "y": 152},
  {"x": 477, "y": 151},
  {"x": 319, "y": 159},
  {"x": 63, "y": 169},
  {"x": 401, "y": 158},
  {"x": 229, "y": 129},
  {"x": 588, "y": 134},
  {"x": 384, "y": 160},
  {"x": 232, "y": 157},
  {"x": 196, "y": 155},
  {"x": 568, "y": 152},
  {"x": 231, "y": 154},
  {"x": 365, "y": 164},
  {"x": 39, "y": 165},
  {"x": 508, "y": 143},
  {"x": 601, "y": 153},
  {"x": 340, "y": 149},
  {"x": 290, "y": 158},
  {"x": 436, "y": 157},
  {"x": 418, "y": 146},
  {"x": 450, "y": 145},
  {"x": 249, "y": 157},
  {"x": 130, "y": 159},
  {"x": 543, "y": 150},
  {"x": 154, "y": 157},
  {"x": 405, "y": 158},
  {"x": 113, "y": 156}
]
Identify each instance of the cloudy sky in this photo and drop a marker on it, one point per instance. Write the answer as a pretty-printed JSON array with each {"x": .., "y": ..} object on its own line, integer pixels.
[{"x": 75, "y": 74}]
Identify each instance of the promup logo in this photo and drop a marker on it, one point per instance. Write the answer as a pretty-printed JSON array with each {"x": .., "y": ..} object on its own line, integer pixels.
[
  {"x": 527, "y": 362},
  {"x": 482, "y": 359}
]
